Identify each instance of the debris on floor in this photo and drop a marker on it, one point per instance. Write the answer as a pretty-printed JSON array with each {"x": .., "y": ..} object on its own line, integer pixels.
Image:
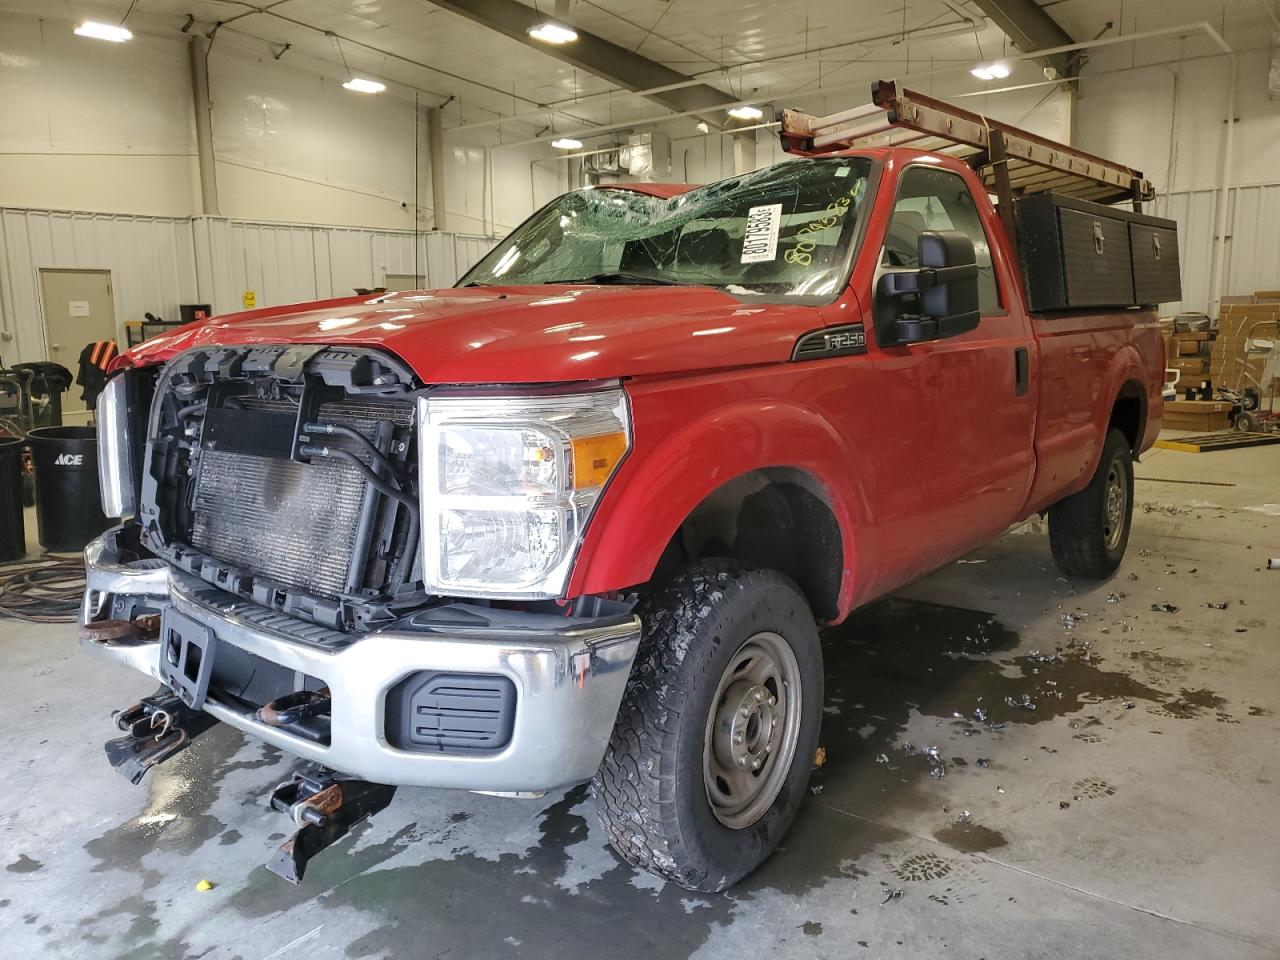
[{"x": 1164, "y": 608}]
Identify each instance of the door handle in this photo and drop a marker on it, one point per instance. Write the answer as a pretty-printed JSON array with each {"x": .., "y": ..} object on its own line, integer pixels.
[{"x": 1021, "y": 372}]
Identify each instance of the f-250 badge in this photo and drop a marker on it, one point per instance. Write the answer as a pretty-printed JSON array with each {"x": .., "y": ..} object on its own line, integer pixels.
[{"x": 832, "y": 342}]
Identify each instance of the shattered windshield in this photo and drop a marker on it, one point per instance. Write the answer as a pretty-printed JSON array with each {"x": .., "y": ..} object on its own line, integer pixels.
[{"x": 784, "y": 230}]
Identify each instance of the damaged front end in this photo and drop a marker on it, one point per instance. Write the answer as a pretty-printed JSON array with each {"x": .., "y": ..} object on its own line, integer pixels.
[{"x": 273, "y": 579}]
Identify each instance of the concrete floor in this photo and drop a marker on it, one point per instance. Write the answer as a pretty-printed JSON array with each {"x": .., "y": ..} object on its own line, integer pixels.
[{"x": 1133, "y": 813}]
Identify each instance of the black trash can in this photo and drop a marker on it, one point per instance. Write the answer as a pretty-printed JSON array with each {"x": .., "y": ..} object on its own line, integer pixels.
[
  {"x": 68, "y": 503},
  {"x": 13, "y": 534},
  {"x": 49, "y": 381}
]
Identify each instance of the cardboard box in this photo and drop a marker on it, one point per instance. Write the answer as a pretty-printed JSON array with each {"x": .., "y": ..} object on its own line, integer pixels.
[
  {"x": 1190, "y": 365},
  {"x": 1192, "y": 337},
  {"x": 1196, "y": 407},
  {"x": 1200, "y": 423},
  {"x": 1188, "y": 348}
]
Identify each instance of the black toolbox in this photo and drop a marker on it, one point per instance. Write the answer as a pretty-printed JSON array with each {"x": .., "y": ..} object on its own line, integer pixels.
[{"x": 1076, "y": 254}]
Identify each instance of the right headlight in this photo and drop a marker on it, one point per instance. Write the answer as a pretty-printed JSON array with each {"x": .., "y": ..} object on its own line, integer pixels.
[
  {"x": 508, "y": 485},
  {"x": 116, "y": 449}
]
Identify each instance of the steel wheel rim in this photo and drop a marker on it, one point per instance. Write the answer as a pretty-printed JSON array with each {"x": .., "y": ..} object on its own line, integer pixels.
[
  {"x": 1117, "y": 497},
  {"x": 752, "y": 729}
]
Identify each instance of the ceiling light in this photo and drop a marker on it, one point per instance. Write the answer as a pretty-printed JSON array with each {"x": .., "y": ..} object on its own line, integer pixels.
[
  {"x": 991, "y": 71},
  {"x": 361, "y": 85},
  {"x": 567, "y": 143},
  {"x": 746, "y": 113},
  {"x": 553, "y": 33},
  {"x": 104, "y": 31},
  {"x": 703, "y": 127}
]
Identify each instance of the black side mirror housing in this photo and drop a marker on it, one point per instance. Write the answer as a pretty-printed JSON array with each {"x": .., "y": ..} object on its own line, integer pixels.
[{"x": 946, "y": 283}]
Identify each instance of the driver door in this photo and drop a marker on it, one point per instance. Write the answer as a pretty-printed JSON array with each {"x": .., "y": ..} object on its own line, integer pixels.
[{"x": 970, "y": 390}]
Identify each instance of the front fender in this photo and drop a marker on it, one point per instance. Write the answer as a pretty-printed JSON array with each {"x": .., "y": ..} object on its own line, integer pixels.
[{"x": 679, "y": 459}]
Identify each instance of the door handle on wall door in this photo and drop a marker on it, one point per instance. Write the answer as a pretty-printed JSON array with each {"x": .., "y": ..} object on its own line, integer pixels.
[{"x": 1021, "y": 372}]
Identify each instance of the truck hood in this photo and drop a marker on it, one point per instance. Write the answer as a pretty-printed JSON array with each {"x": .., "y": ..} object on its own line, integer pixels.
[{"x": 546, "y": 333}]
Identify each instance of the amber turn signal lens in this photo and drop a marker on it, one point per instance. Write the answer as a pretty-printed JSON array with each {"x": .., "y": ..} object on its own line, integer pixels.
[{"x": 595, "y": 457}]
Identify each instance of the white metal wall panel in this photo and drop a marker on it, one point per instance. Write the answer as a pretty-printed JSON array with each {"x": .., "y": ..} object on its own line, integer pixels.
[
  {"x": 468, "y": 249},
  {"x": 151, "y": 259},
  {"x": 1253, "y": 242}
]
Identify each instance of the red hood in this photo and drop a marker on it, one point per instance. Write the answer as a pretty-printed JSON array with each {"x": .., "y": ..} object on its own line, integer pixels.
[{"x": 523, "y": 334}]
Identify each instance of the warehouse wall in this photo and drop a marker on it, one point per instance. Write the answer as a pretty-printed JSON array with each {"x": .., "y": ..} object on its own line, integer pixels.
[
  {"x": 157, "y": 263},
  {"x": 86, "y": 125},
  {"x": 1167, "y": 119}
]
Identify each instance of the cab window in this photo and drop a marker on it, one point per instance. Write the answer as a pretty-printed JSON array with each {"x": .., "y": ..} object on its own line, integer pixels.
[{"x": 931, "y": 199}]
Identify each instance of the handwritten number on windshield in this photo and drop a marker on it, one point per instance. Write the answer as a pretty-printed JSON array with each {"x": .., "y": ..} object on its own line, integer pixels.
[{"x": 802, "y": 252}]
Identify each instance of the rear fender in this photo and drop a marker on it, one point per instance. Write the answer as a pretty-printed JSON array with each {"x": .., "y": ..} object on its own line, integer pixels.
[{"x": 1126, "y": 365}]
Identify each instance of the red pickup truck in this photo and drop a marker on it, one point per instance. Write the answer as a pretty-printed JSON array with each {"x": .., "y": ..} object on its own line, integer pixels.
[{"x": 581, "y": 516}]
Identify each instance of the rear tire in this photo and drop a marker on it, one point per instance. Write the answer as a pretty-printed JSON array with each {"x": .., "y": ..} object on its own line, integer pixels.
[
  {"x": 1089, "y": 530},
  {"x": 714, "y": 742}
]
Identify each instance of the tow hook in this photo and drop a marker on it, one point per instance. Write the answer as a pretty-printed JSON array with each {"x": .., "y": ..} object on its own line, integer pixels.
[
  {"x": 324, "y": 805},
  {"x": 156, "y": 728},
  {"x": 122, "y": 633},
  {"x": 293, "y": 708}
]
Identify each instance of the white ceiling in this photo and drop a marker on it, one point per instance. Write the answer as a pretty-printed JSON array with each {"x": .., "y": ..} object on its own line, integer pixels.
[{"x": 751, "y": 49}]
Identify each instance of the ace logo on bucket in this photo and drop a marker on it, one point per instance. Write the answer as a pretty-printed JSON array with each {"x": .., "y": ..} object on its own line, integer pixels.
[{"x": 69, "y": 460}]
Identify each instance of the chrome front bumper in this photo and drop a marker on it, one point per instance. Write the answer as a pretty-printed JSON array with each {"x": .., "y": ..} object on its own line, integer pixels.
[{"x": 568, "y": 675}]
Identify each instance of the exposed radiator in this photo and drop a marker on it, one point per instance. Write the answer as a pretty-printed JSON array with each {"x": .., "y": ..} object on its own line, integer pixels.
[{"x": 294, "y": 523}]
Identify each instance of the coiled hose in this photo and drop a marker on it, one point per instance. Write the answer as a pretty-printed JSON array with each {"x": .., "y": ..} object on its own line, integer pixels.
[{"x": 45, "y": 590}]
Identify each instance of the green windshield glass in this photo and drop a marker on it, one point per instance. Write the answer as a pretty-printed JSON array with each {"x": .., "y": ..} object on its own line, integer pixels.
[{"x": 784, "y": 230}]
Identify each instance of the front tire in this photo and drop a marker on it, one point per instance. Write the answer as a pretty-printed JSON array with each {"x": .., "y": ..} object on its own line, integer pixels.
[
  {"x": 1089, "y": 530},
  {"x": 713, "y": 747}
]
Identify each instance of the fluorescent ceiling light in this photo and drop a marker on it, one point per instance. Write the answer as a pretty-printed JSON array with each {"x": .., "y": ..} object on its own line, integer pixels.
[
  {"x": 553, "y": 33},
  {"x": 991, "y": 71},
  {"x": 567, "y": 143},
  {"x": 361, "y": 85},
  {"x": 104, "y": 31},
  {"x": 746, "y": 113}
]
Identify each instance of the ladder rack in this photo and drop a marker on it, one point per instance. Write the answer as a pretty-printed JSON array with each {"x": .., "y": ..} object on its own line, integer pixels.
[{"x": 1011, "y": 161}]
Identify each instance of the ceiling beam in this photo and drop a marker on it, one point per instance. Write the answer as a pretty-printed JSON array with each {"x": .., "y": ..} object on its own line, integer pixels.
[
  {"x": 1030, "y": 29},
  {"x": 597, "y": 56}
]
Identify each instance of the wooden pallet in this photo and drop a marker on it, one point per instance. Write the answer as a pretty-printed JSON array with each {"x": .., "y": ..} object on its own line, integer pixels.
[{"x": 1208, "y": 442}]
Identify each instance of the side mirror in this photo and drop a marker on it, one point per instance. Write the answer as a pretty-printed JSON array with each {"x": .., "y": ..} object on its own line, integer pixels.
[{"x": 946, "y": 284}]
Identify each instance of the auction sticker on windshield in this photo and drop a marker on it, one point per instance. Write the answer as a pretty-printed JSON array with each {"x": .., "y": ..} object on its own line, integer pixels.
[{"x": 760, "y": 244}]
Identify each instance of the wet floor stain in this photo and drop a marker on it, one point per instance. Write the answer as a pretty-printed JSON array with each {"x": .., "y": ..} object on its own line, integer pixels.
[
  {"x": 24, "y": 864},
  {"x": 180, "y": 793},
  {"x": 1192, "y": 703},
  {"x": 958, "y": 673},
  {"x": 970, "y": 837}
]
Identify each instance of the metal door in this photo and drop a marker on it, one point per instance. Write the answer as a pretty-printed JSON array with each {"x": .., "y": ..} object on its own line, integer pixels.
[{"x": 78, "y": 310}]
